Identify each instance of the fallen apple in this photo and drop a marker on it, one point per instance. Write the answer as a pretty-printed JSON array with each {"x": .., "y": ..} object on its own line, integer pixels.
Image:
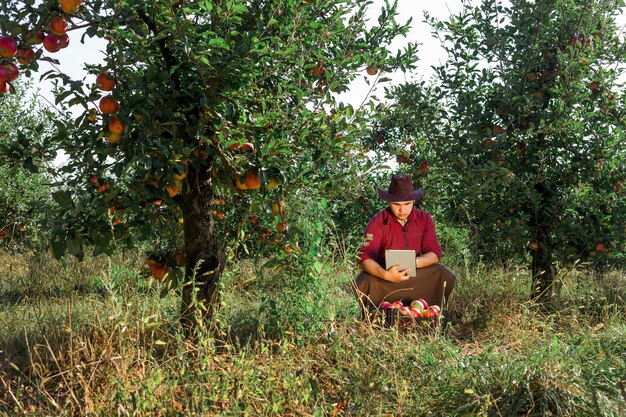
[{"x": 159, "y": 272}]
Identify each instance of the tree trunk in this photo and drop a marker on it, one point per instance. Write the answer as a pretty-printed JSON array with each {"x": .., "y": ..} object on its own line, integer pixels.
[
  {"x": 205, "y": 256},
  {"x": 543, "y": 272}
]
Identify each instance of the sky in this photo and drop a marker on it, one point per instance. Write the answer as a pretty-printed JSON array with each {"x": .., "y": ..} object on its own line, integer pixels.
[{"x": 73, "y": 58}]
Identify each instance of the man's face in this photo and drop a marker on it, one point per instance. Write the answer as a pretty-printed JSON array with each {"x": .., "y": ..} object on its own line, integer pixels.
[{"x": 401, "y": 209}]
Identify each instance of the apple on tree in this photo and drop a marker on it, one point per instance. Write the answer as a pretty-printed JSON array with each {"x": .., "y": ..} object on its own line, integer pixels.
[
  {"x": 58, "y": 25},
  {"x": 12, "y": 71},
  {"x": 25, "y": 55},
  {"x": 70, "y": 6},
  {"x": 116, "y": 125},
  {"x": 52, "y": 43},
  {"x": 105, "y": 82},
  {"x": 8, "y": 47},
  {"x": 109, "y": 105},
  {"x": 64, "y": 41},
  {"x": 3, "y": 74}
]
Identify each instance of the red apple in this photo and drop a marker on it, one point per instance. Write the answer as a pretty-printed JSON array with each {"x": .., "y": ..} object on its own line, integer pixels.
[
  {"x": 58, "y": 25},
  {"x": 109, "y": 105},
  {"x": 8, "y": 47},
  {"x": 64, "y": 40},
  {"x": 4, "y": 75},
  {"x": 416, "y": 313},
  {"x": 12, "y": 71},
  {"x": 431, "y": 313},
  {"x": 159, "y": 271},
  {"x": 113, "y": 137},
  {"x": 117, "y": 126},
  {"x": 247, "y": 147},
  {"x": 405, "y": 311},
  {"x": 318, "y": 70},
  {"x": 105, "y": 82},
  {"x": 52, "y": 43},
  {"x": 424, "y": 303},
  {"x": 385, "y": 304},
  {"x": 252, "y": 180},
  {"x": 281, "y": 227},
  {"x": 397, "y": 304},
  {"x": 93, "y": 181},
  {"x": 25, "y": 55},
  {"x": 601, "y": 247},
  {"x": 372, "y": 71},
  {"x": 70, "y": 6}
]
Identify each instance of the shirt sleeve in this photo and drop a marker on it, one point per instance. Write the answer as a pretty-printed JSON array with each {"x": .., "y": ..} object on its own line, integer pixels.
[
  {"x": 430, "y": 243},
  {"x": 371, "y": 241}
]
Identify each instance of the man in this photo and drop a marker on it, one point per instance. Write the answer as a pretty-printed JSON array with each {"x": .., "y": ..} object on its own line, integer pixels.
[{"x": 401, "y": 226}]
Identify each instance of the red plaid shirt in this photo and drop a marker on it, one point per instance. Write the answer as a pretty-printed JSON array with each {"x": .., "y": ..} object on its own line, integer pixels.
[{"x": 384, "y": 231}]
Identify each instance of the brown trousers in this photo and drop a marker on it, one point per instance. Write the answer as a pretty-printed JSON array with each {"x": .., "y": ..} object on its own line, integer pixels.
[{"x": 428, "y": 284}]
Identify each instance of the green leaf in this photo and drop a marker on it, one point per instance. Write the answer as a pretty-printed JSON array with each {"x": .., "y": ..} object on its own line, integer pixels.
[{"x": 63, "y": 198}]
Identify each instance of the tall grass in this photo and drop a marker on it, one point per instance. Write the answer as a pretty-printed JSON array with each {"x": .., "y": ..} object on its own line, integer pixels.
[{"x": 96, "y": 338}]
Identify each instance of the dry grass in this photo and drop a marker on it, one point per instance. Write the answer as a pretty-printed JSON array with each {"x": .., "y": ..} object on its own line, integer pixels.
[{"x": 116, "y": 349}]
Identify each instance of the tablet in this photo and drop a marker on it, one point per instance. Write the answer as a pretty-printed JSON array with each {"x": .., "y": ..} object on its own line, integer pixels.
[{"x": 406, "y": 258}]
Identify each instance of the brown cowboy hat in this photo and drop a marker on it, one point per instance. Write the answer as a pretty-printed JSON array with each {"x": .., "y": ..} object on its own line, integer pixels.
[{"x": 401, "y": 189}]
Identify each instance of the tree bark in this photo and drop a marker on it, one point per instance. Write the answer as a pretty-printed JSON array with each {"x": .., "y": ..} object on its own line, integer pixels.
[
  {"x": 205, "y": 257},
  {"x": 543, "y": 272}
]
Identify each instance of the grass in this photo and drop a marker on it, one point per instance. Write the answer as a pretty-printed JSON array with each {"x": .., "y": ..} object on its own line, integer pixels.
[{"x": 96, "y": 338}]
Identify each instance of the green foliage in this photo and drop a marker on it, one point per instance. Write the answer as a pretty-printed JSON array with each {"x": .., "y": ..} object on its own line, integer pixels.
[
  {"x": 196, "y": 79},
  {"x": 25, "y": 204},
  {"x": 525, "y": 125}
]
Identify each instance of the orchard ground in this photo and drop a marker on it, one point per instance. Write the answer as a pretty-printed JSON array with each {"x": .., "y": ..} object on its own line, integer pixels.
[{"x": 98, "y": 338}]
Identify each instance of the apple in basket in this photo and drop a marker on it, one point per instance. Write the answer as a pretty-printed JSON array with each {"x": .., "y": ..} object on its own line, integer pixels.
[
  {"x": 416, "y": 313},
  {"x": 405, "y": 311},
  {"x": 431, "y": 312},
  {"x": 417, "y": 304},
  {"x": 385, "y": 304},
  {"x": 398, "y": 304}
]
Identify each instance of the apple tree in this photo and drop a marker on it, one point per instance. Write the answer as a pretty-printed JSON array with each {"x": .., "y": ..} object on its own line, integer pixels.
[
  {"x": 201, "y": 110},
  {"x": 525, "y": 123},
  {"x": 24, "y": 180}
]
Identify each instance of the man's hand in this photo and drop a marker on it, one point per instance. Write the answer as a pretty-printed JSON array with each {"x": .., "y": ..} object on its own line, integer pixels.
[{"x": 394, "y": 274}]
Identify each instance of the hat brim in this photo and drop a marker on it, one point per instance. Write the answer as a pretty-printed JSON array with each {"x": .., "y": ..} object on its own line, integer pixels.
[{"x": 391, "y": 198}]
